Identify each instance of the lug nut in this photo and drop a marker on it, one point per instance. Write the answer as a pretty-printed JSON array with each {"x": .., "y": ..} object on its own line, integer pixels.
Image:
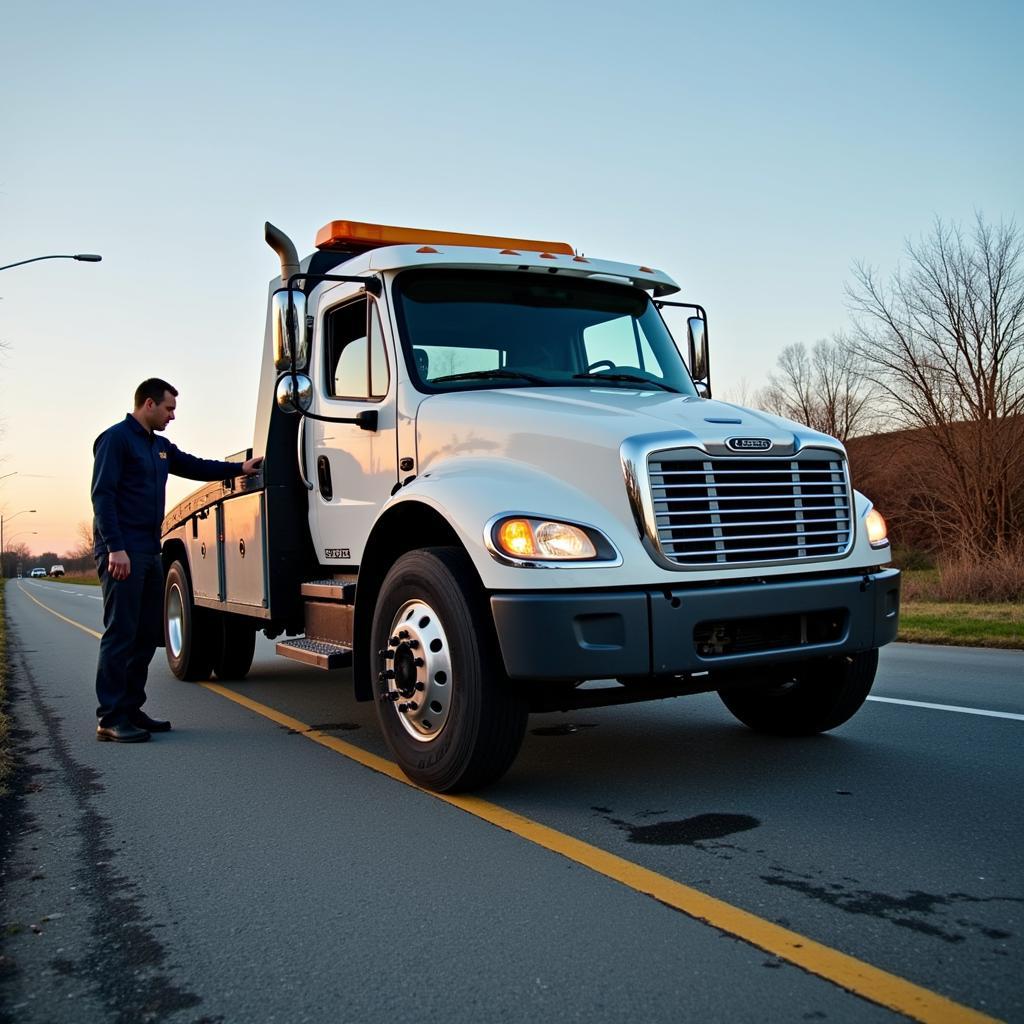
[
  {"x": 403, "y": 708},
  {"x": 394, "y": 641},
  {"x": 403, "y": 634},
  {"x": 389, "y": 674},
  {"x": 420, "y": 687},
  {"x": 419, "y": 663},
  {"x": 385, "y": 653},
  {"x": 412, "y": 705},
  {"x": 412, "y": 644},
  {"x": 389, "y": 698}
]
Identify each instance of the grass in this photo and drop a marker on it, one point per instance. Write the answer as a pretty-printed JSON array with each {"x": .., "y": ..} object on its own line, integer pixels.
[
  {"x": 90, "y": 579},
  {"x": 962, "y": 625},
  {"x": 926, "y": 620},
  {"x": 6, "y": 761}
]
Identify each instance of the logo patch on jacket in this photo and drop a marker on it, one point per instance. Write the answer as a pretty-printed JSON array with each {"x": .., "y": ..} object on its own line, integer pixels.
[{"x": 163, "y": 455}]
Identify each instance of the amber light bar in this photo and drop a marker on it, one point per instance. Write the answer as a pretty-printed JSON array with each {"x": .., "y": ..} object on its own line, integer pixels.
[{"x": 351, "y": 235}]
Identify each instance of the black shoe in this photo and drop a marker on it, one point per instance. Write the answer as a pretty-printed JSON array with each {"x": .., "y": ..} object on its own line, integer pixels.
[
  {"x": 142, "y": 721},
  {"x": 122, "y": 732}
]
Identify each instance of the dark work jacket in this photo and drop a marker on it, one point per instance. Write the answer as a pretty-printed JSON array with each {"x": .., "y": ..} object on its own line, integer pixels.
[{"x": 129, "y": 477}]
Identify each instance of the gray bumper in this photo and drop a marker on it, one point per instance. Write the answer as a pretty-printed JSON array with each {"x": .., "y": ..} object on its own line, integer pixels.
[{"x": 673, "y": 630}]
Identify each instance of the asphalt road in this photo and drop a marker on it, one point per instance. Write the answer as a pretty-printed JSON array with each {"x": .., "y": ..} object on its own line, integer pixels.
[{"x": 234, "y": 871}]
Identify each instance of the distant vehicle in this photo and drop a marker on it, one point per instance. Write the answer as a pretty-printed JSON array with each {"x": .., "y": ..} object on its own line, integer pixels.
[
  {"x": 56, "y": 570},
  {"x": 37, "y": 571}
]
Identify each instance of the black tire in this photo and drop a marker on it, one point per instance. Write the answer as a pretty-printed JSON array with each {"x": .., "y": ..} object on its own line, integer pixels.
[
  {"x": 463, "y": 721},
  {"x": 188, "y": 631},
  {"x": 234, "y": 649},
  {"x": 816, "y": 696}
]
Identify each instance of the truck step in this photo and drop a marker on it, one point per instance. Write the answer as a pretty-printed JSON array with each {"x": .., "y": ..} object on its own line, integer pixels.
[
  {"x": 319, "y": 653},
  {"x": 338, "y": 588}
]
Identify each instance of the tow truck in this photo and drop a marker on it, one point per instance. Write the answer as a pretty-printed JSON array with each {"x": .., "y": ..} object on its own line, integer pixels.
[{"x": 497, "y": 483}]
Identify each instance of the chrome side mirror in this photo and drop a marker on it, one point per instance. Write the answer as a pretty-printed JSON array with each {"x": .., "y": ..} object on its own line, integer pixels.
[
  {"x": 697, "y": 341},
  {"x": 294, "y": 392},
  {"x": 290, "y": 335}
]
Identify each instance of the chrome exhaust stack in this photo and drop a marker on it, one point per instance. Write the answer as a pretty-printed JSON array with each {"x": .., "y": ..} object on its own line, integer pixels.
[{"x": 285, "y": 249}]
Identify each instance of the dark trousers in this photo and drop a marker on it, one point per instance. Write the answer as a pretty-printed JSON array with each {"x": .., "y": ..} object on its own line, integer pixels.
[{"x": 132, "y": 631}]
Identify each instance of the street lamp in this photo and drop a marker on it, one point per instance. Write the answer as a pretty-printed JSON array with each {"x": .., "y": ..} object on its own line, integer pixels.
[
  {"x": 83, "y": 257},
  {"x": 7, "y": 519}
]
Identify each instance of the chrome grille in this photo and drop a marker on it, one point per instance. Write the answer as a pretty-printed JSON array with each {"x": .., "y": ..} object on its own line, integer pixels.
[{"x": 714, "y": 511}]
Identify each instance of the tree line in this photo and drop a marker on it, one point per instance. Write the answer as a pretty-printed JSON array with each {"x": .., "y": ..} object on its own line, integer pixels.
[{"x": 932, "y": 368}]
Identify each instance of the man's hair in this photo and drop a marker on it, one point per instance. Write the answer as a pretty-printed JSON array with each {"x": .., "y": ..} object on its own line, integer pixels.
[{"x": 154, "y": 388}]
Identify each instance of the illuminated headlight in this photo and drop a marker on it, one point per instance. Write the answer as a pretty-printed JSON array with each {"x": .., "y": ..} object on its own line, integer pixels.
[
  {"x": 878, "y": 532},
  {"x": 543, "y": 540}
]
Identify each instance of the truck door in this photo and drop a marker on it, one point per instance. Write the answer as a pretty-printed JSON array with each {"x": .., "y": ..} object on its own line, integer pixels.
[{"x": 353, "y": 471}]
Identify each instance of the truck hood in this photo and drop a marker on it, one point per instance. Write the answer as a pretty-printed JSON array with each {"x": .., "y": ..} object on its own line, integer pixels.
[{"x": 558, "y": 426}]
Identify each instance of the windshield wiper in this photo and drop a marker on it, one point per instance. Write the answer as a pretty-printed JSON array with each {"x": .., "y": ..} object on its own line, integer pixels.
[
  {"x": 489, "y": 374},
  {"x": 633, "y": 378}
]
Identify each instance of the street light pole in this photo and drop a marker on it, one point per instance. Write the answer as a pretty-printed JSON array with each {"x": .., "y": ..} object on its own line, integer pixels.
[
  {"x": 83, "y": 257},
  {"x": 7, "y": 519}
]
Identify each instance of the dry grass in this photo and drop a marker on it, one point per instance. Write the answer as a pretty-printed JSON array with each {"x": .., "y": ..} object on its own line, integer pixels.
[
  {"x": 6, "y": 761},
  {"x": 968, "y": 580}
]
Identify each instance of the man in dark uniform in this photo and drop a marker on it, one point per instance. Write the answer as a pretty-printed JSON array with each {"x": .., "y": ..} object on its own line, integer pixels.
[{"x": 128, "y": 482}]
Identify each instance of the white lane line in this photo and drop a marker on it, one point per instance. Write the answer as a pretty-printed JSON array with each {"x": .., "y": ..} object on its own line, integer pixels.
[
  {"x": 95, "y": 597},
  {"x": 950, "y": 707}
]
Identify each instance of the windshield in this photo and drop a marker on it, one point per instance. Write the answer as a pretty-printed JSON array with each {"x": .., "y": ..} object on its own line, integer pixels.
[{"x": 503, "y": 329}]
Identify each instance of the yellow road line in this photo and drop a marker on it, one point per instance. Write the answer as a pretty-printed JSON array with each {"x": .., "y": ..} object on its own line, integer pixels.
[
  {"x": 853, "y": 975},
  {"x": 64, "y": 618}
]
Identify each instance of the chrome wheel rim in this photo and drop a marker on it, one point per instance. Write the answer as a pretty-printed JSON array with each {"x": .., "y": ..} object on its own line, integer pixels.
[
  {"x": 175, "y": 620},
  {"x": 416, "y": 673}
]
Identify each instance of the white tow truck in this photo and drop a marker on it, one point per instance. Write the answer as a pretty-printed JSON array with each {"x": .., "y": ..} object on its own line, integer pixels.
[{"x": 494, "y": 485}]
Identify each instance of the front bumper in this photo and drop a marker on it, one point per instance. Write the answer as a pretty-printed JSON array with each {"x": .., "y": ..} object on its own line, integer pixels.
[{"x": 676, "y": 630}]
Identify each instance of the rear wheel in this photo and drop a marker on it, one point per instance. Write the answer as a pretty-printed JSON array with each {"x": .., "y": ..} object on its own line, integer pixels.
[
  {"x": 812, "y": 697},
  {"x": 234, "y": 647},
  {"x": 449, "y": 714},
  {"x": 188, "y": 631}
]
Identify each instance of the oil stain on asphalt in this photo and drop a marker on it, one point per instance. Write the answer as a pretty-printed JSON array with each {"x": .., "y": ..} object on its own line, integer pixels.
[{"x": 688, "y": 831}]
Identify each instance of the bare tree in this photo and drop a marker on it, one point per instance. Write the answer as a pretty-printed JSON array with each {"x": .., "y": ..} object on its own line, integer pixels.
[
  {"x": 825, "y": 388},
  {"x": 15, "y": 555},
  {"x": 943, "y": 339}
]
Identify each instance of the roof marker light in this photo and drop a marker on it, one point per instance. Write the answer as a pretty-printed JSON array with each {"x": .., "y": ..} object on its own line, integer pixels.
[
  {"x": 353, "y": 236},
  {"x": 426, "y": 248},
  {"x": 645, "y": 270},
  {"x": 547, "y": 256},
  {"x": 580, "y": 259},
  {"x": 508, "y": 252}
]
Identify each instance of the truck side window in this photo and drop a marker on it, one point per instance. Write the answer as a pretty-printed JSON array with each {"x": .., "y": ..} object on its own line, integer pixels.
[{"x": 357, "y": 366}]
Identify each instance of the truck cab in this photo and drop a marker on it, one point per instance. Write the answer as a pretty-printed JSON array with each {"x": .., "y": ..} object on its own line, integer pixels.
[{"x": 494, "y": 474}]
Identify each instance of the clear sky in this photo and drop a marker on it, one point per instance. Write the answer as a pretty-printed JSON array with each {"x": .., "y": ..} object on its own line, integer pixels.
[{"x": 753, "y": 151}]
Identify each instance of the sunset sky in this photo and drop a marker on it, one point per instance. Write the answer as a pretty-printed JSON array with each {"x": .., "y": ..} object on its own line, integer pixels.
[{"x": 752, "y": 151}]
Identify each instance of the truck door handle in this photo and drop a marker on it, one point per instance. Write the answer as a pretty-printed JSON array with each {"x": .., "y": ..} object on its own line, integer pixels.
[
  {"x": 301, "y": 453},
  {"x": 323, "y": 477}
]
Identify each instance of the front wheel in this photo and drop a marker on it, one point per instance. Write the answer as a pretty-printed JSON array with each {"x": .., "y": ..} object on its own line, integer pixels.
[
  {"x": 188, "y": 633},
  {"x": 449, "y": 714},
  {"x": 812, "y": 697}
]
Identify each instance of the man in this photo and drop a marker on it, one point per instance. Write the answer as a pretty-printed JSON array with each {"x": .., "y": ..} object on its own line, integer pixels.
[{"x": 128, "y": 482}]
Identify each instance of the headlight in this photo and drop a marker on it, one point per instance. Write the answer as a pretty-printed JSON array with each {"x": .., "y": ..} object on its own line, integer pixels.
[
  {"x": 544, "y": 540},
  {"x": 878, "y": 532}
]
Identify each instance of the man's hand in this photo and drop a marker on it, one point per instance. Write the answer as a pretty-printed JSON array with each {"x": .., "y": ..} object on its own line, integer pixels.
[
  {"x": 119, "y": 565},
  {"x": 252, "y": 466}
]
